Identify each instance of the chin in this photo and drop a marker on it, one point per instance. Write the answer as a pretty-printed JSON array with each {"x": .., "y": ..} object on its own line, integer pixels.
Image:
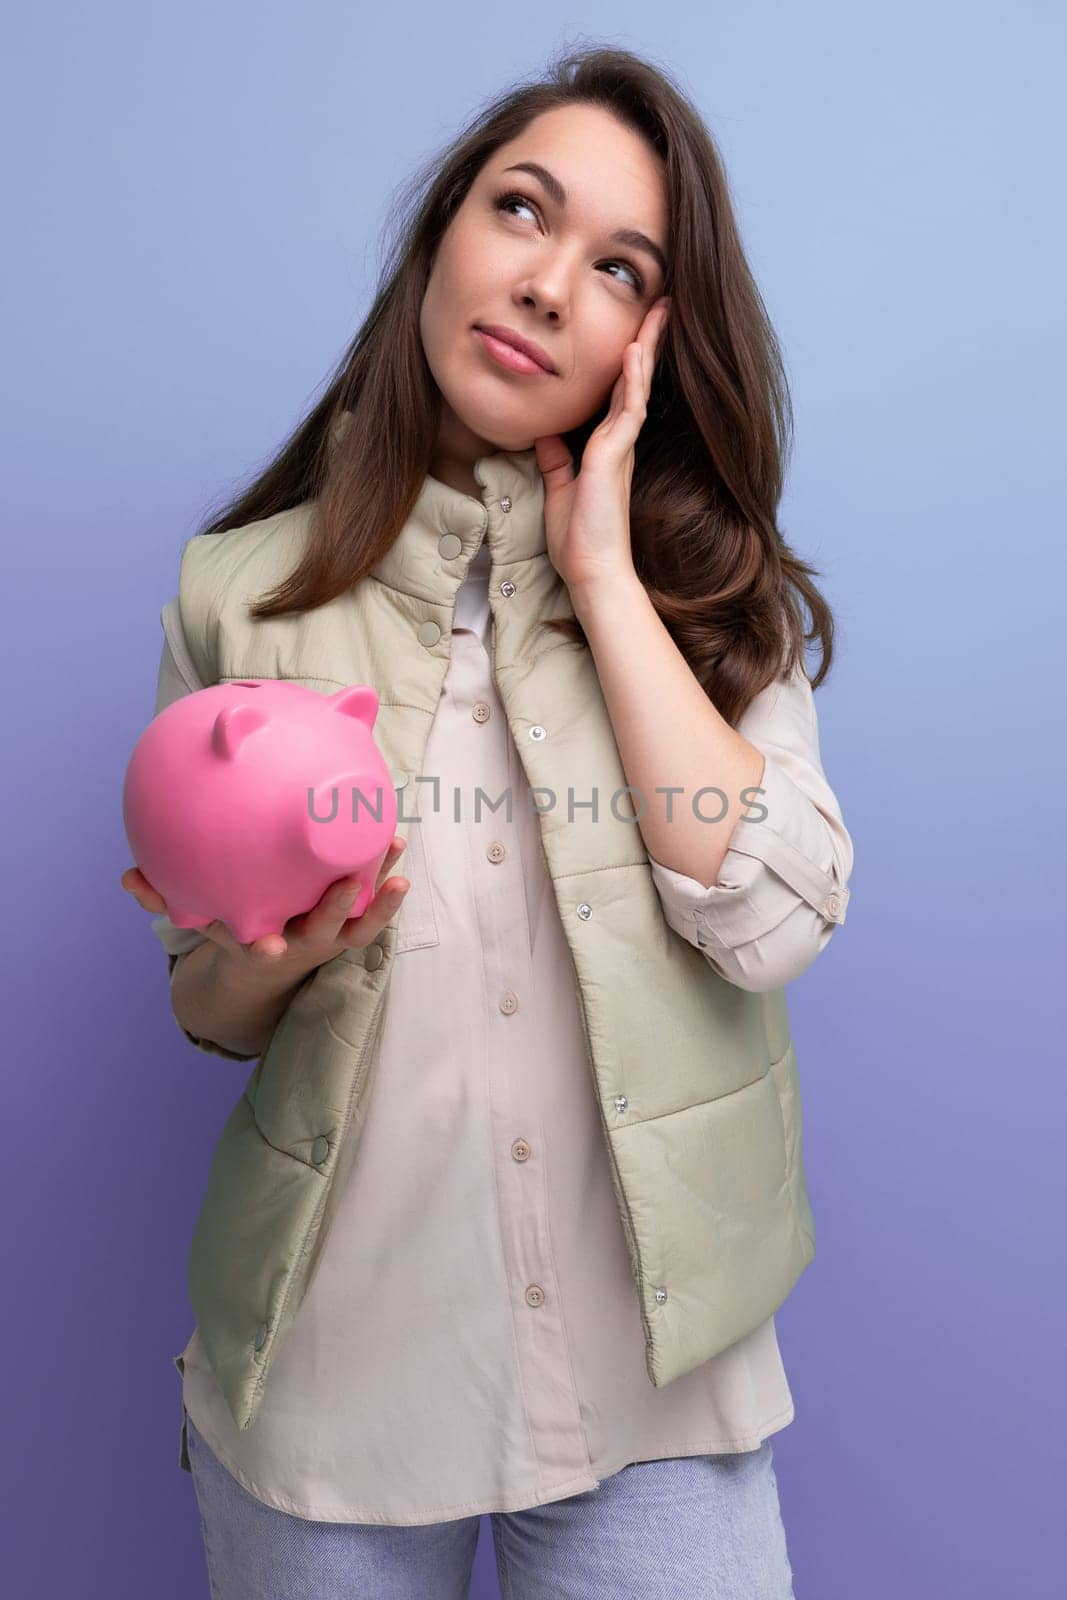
[{"x": 486, "y": 423}]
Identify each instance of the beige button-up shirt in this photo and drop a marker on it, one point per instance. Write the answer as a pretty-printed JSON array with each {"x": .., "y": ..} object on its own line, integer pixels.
[{"x": 471, "y": 1340}]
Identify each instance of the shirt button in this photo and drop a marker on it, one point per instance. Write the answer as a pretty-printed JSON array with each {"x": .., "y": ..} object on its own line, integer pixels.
[
  {"x": 507, "y": 588},
  {"x": 449, "y": 546},
  {"x": 373, "y": 956},
  {"x": 508, "y": 1003},
  {"x": 481, "y": 712},
  {"x": 521, "y": 1151},
  {"x": 537, "y": 732},
  {"x": 320, "y": 1150},
  {"x": 428, "y": 633},
  {"x": 535, "y": 1295},
  {"x": 496, "y": 851},
  {"x": 505, "y": 502}
]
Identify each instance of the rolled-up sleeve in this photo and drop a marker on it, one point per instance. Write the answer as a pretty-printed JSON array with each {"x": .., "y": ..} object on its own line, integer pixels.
[
  {"x": 782, "y": 887},
  {"x": 207, "y": 1045},
  {"x": 177, "y": 676}
]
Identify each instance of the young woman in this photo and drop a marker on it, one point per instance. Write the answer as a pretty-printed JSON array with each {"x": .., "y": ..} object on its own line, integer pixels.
[{"x": 536, "y": 509}]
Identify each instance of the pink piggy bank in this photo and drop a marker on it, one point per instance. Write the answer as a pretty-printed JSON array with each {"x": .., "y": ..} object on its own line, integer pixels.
[{"x": 245, "y": 801}]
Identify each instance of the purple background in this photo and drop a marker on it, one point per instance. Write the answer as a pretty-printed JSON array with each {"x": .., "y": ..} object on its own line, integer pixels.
[{"x": 193, "y": 204}]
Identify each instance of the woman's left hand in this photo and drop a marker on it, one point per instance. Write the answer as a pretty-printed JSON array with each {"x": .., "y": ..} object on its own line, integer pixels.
[{"x": 587, "y": 518}]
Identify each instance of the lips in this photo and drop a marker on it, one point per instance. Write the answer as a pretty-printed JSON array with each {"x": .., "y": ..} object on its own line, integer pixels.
[{"x": 516, "y": 341}]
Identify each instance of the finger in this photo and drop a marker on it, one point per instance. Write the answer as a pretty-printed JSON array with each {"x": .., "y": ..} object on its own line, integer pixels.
[
  {"x": 391, "y": 857},
  {"x": 319, "y": 925},
  {"x": 336, "y": 904},
  {"x": 555, "y": 461},
  {"x": 264, "y": 951},
  {"x": 648, "y": 363},
  {"x": 650, "y": 337},
  {"x": 618, "y": 399},
  {"x": 135, "y": 883},
  {"x": 386, "y": 903},
  {"x": 623, "y": 421},
  {"x": 655, "y": 323},
  {"x": 269, "y": 949},
  {"x": 640, "y": 386}
]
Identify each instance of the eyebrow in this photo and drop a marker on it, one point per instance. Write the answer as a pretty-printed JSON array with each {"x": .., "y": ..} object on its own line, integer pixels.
[{"x": 631, "y": 236}]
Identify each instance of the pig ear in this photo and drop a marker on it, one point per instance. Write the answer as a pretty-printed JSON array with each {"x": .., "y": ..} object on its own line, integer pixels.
[
  {"x": 360, "y": 702},
  {"x": 232, "y": 727}
]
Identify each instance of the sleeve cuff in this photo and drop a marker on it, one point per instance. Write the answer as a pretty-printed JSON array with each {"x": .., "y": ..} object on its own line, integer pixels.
[
  {"x": 207, "y": 1045},
  {"x": 176, "y": 941},
  {"x": 791, "y": 852}
]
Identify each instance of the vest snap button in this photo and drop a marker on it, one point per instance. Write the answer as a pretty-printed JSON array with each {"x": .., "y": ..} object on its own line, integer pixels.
[
  {"x": 585, "y": 911},
  {"x": 320, "y": 1149},
  {"x": 661, "y": 1295},
  {"x": 537, "y": 732},
  {"x": 621, "y": 1102},
  {"x": 507, "y": 588},
  {"x": 505, "y": 502},
  {"x": 373, "y": 956},
  {"x": 261, "y": 1335},
  {"x": 449, "y": 546},
  {"x": 428, "y": 633}
]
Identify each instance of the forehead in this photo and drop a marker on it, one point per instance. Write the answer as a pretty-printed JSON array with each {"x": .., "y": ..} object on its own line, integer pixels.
[{"x": 606, "y": 168}]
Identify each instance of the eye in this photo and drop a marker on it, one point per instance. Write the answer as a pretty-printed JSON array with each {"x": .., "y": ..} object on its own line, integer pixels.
[{"x": 502, "y": 202}]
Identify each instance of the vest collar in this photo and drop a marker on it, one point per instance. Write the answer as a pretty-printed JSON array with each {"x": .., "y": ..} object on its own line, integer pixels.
[{"x": 507, "y": 515}]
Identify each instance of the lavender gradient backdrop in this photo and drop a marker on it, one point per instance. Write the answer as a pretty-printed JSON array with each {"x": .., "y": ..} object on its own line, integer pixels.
[{"x": 194, "y": 197}]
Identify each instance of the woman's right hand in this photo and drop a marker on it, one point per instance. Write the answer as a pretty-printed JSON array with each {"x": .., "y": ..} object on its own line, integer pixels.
[{"x": 308, "y": 940}]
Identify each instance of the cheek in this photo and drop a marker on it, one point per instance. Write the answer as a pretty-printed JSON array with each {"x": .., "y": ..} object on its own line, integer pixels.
[
  {"x": 602, "y": 328},
  {"x": 464, "y": 266},
  {"x": 430, "y": 322},
  {"x": 443, "y": 304},
  {"x": 597, "y": 365}
]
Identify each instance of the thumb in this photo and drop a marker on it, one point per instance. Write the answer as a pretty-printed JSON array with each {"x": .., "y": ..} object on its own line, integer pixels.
[{"x": 554, "y": 461}]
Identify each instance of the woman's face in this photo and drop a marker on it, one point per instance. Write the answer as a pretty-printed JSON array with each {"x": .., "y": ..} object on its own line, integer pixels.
[{"x": 548, "y": 270}]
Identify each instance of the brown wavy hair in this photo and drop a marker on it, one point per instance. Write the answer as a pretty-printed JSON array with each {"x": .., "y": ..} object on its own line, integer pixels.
[{"x": 708, "y": 463}]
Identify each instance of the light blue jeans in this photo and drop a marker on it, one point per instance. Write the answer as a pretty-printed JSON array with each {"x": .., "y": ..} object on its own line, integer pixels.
[{"x": 692, "y": 1528}]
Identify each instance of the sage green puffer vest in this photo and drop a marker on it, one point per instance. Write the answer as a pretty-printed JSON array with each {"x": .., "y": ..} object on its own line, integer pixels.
[{"x": 696, "y": 1079}]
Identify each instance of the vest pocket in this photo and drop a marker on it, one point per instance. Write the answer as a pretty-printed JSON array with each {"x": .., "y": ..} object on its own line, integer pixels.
[{"x": 416, "y": 921}]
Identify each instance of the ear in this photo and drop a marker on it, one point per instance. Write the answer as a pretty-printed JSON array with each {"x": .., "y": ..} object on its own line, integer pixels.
[
  {"x": 360, "y": 702},
  {"x": 232, "y": 727}
]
